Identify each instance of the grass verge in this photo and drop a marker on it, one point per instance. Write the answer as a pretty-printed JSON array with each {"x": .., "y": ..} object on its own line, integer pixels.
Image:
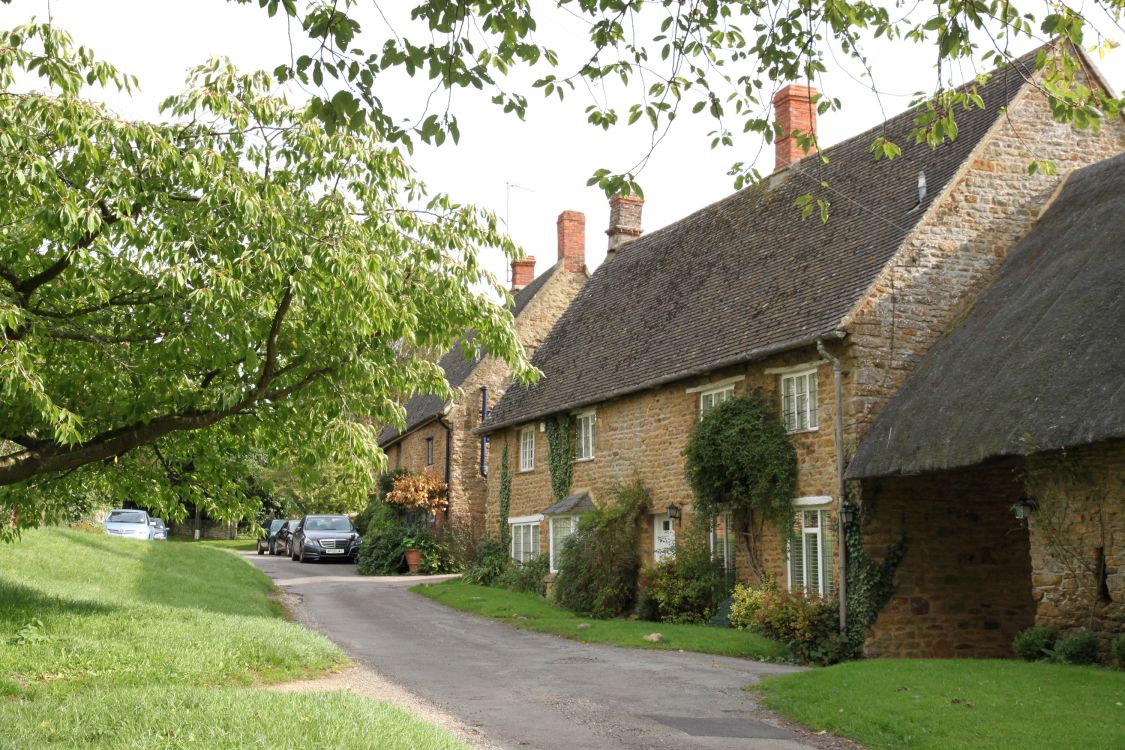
[
  {"x": 116, "y": 643},
  {"x": 238, "y": 545},
  {"x": 531, "y": 612},
  {"x": 962, "y": 703}
]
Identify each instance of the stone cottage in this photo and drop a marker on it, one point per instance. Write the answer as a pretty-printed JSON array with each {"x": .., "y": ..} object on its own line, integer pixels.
[
  {"x": 1002, "y": 458},
  {"x": 438, "y": 436},
  {"x": 746, "y": 295}
]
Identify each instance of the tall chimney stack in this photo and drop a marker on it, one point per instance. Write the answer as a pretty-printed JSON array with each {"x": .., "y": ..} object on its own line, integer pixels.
[
  {"x": 572, "y": 241},
  {"x": 624, "y": 219},
  {"x": 523, "y": 273},
  {"x": 794, "y": 109}
]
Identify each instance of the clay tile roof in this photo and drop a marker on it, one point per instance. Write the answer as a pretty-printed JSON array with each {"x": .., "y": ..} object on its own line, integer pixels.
[
  {"x": 426, "y": 406},
  {"x": 1039, "y": 363},
  {"x": 746, "y": 276}
]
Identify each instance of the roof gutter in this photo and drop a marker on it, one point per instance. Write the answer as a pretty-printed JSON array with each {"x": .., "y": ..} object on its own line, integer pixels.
[{"x": 752, "y": 355}]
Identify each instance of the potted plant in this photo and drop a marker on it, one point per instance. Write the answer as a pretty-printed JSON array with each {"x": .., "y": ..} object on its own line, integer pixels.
[{"x": 413, "y": 554}]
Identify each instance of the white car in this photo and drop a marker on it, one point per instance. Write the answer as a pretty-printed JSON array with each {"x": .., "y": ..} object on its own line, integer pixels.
[{"x": 128, "y": 524}]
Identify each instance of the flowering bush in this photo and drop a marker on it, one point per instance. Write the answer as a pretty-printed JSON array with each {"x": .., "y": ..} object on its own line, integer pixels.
[
  {"x": 686, "y": 588},
  {"x": 419, "y": 492},
  {"x": 808, "y": 625}
]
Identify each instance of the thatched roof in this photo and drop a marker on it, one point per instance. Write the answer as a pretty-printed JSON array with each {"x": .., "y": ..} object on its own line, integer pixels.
[{"x": 1038, "y": 363}]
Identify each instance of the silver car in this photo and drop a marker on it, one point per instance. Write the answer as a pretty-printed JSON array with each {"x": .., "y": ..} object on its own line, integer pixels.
[{"x": 128, "y": 524}]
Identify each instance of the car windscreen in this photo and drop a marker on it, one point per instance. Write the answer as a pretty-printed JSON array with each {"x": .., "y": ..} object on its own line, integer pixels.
[
  {"x": 328, "y": 523},
  {"x": 293, "y": 525},
  {"x": 126, "y": 516},
  {"x": 276, "y": 525}
]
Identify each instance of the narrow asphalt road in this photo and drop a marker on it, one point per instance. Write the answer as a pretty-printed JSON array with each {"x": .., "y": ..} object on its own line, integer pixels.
[{"x": 528, "y": 690}]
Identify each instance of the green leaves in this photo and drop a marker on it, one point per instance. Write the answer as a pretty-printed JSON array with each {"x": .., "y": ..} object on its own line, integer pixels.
[{"x": 176, "y": 296}]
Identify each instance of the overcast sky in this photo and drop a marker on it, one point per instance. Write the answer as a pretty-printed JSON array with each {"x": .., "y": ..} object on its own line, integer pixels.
[{"x": 546, "y": 159}]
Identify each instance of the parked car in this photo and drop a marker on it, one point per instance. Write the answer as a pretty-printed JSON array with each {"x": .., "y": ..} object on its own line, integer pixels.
[
  {"x": 284, "y": 536},
  {"x": 266, "y": 542},
  {"x": 130, "y": 524},
  {"x": 324, "y": 537},
  {"x": 159, "y": 530}
]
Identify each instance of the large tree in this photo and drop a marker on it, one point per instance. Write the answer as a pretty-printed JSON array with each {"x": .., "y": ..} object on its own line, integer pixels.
[
  {"x": 646, "y": 61},
  {"x": 175, "y": 295}
]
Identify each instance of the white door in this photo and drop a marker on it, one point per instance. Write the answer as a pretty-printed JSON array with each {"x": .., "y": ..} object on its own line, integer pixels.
[{"x": 663, "y": 537}]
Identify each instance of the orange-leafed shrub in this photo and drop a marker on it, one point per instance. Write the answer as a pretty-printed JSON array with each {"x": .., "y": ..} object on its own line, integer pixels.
[{"x": 419, "y": 492}]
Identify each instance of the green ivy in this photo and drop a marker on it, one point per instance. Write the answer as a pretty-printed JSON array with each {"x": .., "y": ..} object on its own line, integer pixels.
[
  {"x": 739, "y": 457},
  {"x": 505, "y": 496},
  {"x": 870, "y": 581},
  {"x": 560, "y": 454}
]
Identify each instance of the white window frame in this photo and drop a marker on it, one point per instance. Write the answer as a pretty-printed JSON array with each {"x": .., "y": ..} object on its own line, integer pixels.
[
  {"x": 430, "y": 451},
  {"x": 712, "y": 397},
  {"x": 811, "y": 382},
  {"x": 527, "y": 449},
  {"x": 825, "y": 582},
  {"x": 585, "y": 428},
  {"x": 572, "y": 518},
  {"x": 520, "y": 527}
]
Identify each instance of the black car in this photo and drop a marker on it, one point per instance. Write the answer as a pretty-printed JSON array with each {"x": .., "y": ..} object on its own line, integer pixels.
[
  {"x": 324, "y": 538},
  {"x": 266, "y": 542},
  {"x": 284, "y": 536}
]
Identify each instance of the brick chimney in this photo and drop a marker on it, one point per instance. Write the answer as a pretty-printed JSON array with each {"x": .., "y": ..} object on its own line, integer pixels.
[
  {"x": 572, "y": 241},
  {"x": 793, "y": 109},
  {"x": 624, "y": 219},
  {"x": 523, "y": 273}
]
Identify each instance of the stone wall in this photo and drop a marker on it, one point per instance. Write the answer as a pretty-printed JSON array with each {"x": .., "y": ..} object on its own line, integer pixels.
[
  {"x": 1078, "y": 539},
  {"x": 963, "y": 587},
  {"x": 644, "y": 434},
  {"x": 957, "y": 248}
]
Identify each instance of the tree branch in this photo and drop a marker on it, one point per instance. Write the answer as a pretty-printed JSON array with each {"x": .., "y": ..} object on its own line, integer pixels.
[{"x": 270, "y": 364}]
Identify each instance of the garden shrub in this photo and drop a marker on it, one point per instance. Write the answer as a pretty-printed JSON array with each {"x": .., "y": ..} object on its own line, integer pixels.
[
  {"x": 598, "y": 565},
  {"x": 1079, "y": 648},
  {"x": 688, "y": 587},
  {"x": 375, "y": 517},
  {"x": 529, "y": 577},
  {"x": 1036, "y": 643},
  {"x": 1117, "y": 648},
  {"x": 492, "y": 559},
  {"x": 383, "y": 552},
  {"x": 746, "y": 601},
  {"x": 810, "y": 627}
]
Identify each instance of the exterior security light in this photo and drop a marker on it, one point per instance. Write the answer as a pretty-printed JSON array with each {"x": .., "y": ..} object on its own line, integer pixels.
[
  {"x": 675, "y": 513},
  {"x": 1024, "y": 507}
]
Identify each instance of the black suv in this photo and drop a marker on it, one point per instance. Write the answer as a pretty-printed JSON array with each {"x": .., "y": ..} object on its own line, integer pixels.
[
  {"x": 324, "y": 538},
  {"x": 266, "y": 542}
]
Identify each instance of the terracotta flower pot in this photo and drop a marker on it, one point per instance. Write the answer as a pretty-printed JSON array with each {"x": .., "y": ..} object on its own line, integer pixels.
[{"x": 413, "y": 560}]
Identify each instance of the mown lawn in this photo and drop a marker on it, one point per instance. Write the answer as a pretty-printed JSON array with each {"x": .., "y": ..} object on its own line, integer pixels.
[
  {"x": 115, "y": 643},
  {"x": 240, "y": 544},
  {"x": 531, "y": 612},
  {"x": 969, "y": 704}
]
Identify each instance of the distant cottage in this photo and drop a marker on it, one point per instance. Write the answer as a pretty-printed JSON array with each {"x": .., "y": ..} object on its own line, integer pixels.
[
  {"x": 438, "y": 436},
  {"x": 744, "y": 294}
]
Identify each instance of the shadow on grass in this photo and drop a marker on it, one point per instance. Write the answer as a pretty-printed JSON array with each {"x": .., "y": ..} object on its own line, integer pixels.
[{"x": 19, "y": 604}]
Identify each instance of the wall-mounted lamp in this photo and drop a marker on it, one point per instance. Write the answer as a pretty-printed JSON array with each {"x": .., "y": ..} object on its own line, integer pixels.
[
  {"x": 675, "y": 512},
  {"x": 1024, "y": 507},
  {"x": 847, "y": 513}
]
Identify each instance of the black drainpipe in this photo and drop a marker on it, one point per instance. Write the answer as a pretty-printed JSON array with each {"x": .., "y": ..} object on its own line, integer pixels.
[
  {"x": 483, "y": 438},
  {"x": 448, "y": 450}
]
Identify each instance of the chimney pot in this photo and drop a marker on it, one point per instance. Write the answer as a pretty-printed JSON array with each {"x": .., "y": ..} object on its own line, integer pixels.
[
  {"x": 794, "y": 110},
  {"x": 624, "y": 219},
  {"x": 523, "y": 272},
  {"x": 572, "y": 241}
]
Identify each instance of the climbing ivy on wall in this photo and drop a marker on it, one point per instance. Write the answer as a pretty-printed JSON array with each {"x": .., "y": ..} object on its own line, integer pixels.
[
  {"x": 505, "y": 496},
  {"x": 870, "y": 581},
  {"x": 560, "y": 454}
]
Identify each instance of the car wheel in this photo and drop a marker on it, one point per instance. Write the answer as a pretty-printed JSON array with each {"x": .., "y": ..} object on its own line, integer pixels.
[
  {"x": 260, "y": 550},
  {"x": 292, "y": 555}
]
